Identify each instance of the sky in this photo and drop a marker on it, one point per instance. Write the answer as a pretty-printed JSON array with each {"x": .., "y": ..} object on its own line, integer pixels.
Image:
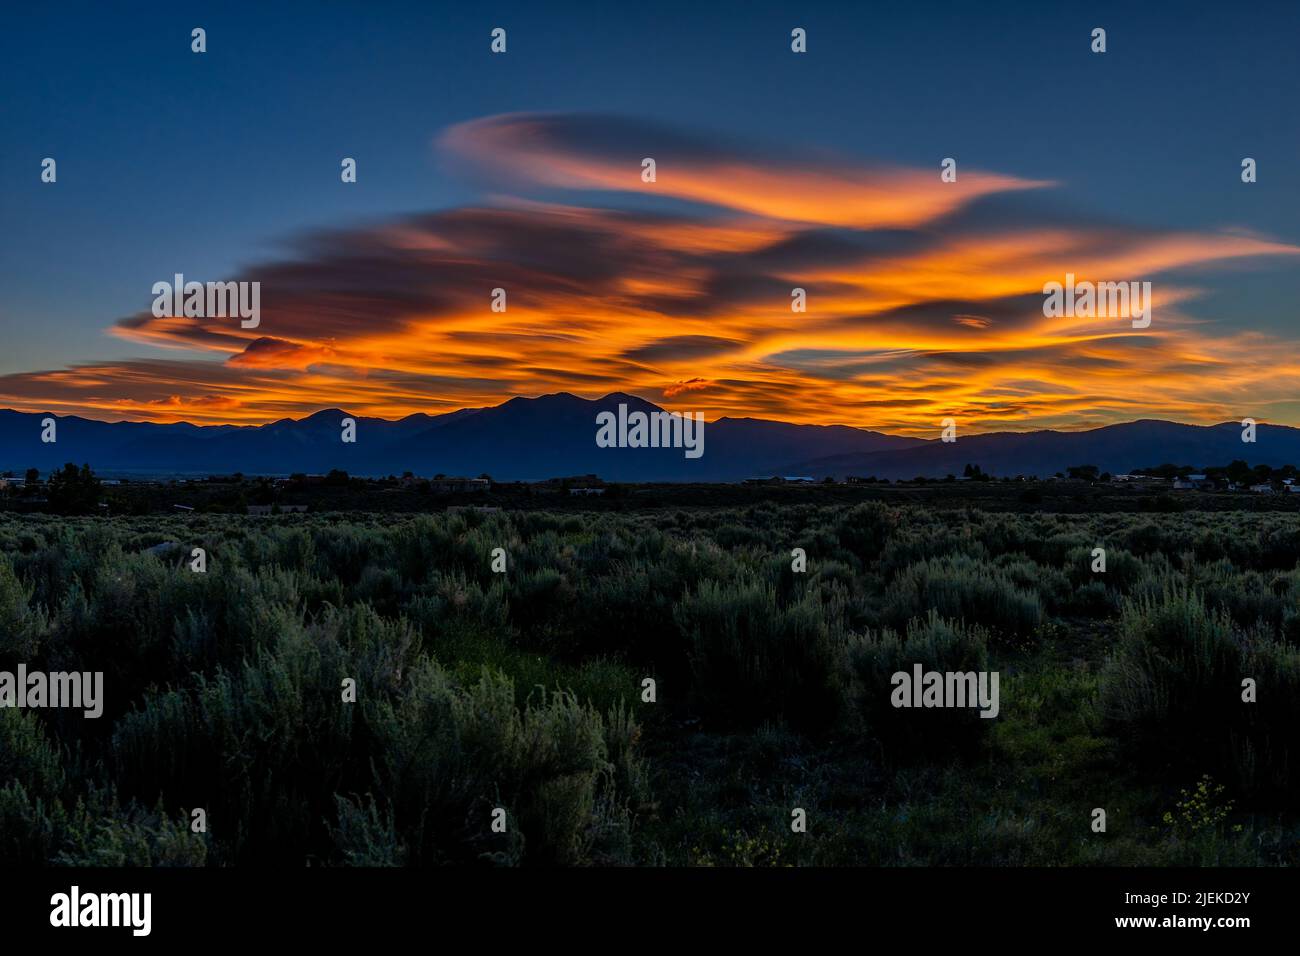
[{"x": 774, "y": 170}]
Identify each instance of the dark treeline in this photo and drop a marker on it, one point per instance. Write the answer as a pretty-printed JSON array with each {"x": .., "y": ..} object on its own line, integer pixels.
[
  {"x": 76, "y": 490},
  {"x": 477, "y": 690}
]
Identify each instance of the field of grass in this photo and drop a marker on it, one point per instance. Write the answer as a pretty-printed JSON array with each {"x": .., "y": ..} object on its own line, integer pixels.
[{"x": 523, "y": 690}]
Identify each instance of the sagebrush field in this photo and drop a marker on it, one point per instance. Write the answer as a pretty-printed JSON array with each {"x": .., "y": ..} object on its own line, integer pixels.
[{"x": 523, "y": 690}]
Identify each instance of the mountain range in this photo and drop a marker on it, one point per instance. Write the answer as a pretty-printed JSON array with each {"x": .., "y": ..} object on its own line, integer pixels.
[{"x": 554, "y": 435}]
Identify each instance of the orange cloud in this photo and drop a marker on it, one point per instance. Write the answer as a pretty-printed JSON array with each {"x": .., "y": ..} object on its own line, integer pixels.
[
  {"x": 682, "y": 388},
  {"x": 593, "y": 153},
  {"x": 920, "y": 306}
]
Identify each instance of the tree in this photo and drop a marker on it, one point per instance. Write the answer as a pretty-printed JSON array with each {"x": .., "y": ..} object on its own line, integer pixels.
[
  {"x": 72, "y": 491},
  {"x": 1239, "y": 472},
  {"x": 1084, "y": 472},
  {"x": 33, "y": 476}
]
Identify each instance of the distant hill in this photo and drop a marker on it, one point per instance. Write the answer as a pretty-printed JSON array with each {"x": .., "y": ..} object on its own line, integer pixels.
[
  {"x": 522, "y": 439},
  {"x": 1114, "y": 448},
  {"x": 554, "y": 435}
]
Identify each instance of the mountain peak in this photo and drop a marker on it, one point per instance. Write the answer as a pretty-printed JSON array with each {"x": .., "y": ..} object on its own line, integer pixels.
[
  {"x": 330, "y": 414},
  {"x": 555, "y": 434}
]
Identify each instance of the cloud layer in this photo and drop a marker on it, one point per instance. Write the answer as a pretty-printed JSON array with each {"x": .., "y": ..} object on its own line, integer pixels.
[{"x": 924, "y": 300}]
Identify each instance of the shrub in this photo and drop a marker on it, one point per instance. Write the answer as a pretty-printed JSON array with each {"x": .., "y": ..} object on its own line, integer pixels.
[
  {"x": 753, "y": 659},
  {"x": 27, "y": 756},
  {"x": 447, "y": 755},
  {"x": 20, "y": 627},
  {"x": 965, "y": 589},
  {"x": 1173, "y": 691},
  {"x": 909, "y": 734}
]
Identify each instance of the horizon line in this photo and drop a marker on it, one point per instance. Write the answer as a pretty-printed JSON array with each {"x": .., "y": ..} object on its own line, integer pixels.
[{"x": 622, "y": 395}]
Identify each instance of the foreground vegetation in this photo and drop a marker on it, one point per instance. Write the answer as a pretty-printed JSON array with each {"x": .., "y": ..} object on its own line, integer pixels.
[{"x": 523, "y": 690}]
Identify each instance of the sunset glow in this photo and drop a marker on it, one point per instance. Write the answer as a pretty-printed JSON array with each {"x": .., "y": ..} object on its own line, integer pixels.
[{"x": 916, "y": 310}]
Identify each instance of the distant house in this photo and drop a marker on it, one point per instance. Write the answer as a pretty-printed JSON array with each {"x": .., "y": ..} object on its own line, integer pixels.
[
  {"x": 586, "y": 491},
  {"x": 1263, "y": 488},
  {"x": 182, "y": 507}
]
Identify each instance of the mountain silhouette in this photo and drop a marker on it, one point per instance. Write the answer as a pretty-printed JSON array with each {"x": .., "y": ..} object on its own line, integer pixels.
[
  {"x": 1114, "y": 448},
  {"x": 554, "y": 435}
]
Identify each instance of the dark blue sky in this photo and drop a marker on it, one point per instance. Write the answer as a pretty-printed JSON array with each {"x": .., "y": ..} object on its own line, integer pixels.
[{"x": 169, "y": 161}]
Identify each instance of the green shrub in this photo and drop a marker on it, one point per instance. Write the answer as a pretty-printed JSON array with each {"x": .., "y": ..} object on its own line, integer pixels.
[
  {"x": 965, "y": 589},
  {"x": 754, "y": 660},
  {"x": 1173, "y": 692},
  {"x": 910, "y": 734},
  {"x": 20, "y": 627},
  {"x": 447, "y": 755},
  {"x": 27, "y": 756}
]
